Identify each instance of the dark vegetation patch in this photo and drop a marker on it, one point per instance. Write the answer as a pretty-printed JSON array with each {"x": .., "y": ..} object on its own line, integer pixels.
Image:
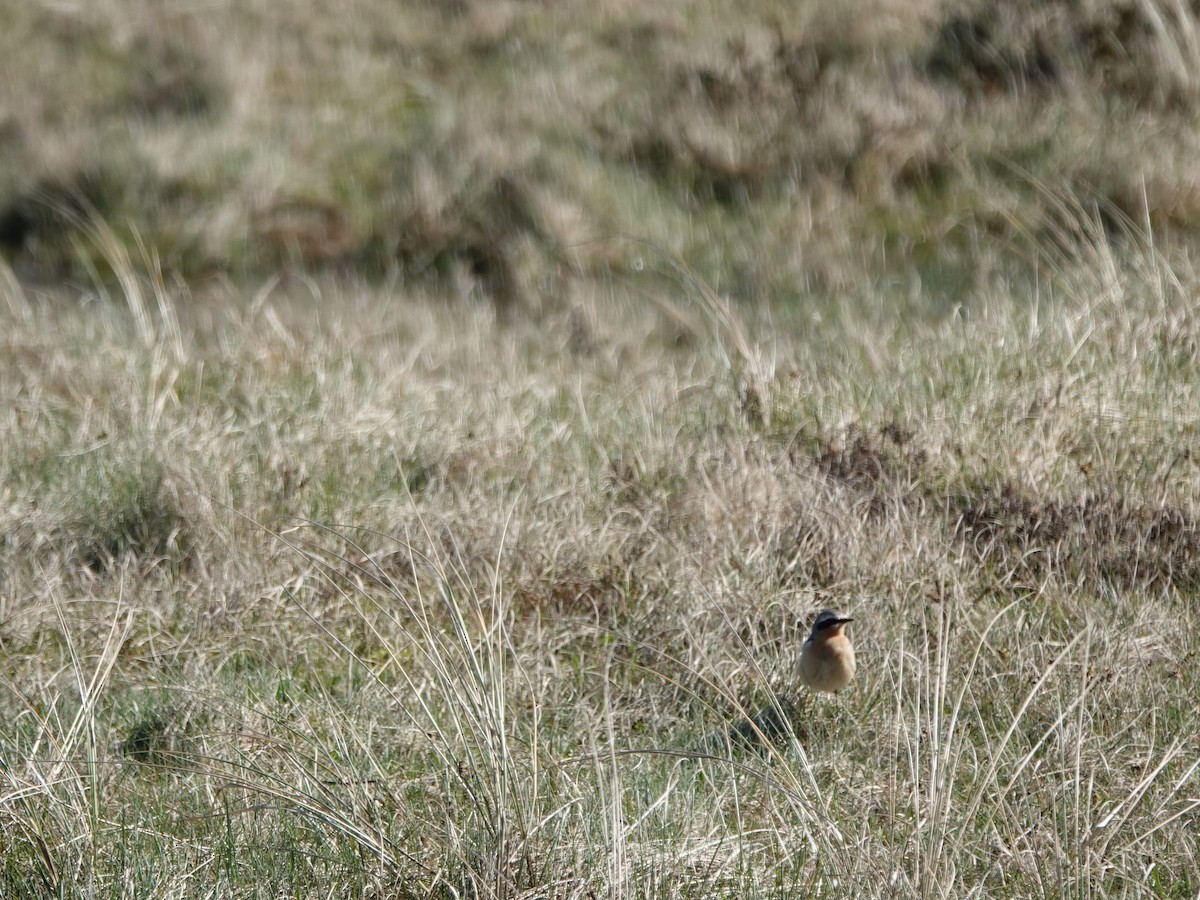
[
  {"x": 52, "y": 209},
  {"x": 871, "y": 460},
  {"x": 1128, "y": 46},
  {"x": 48, "y": 229},
  {"x": 155, "y": 737},
  {"x": 487, "y": 234},
  {"x": 569, "y": 583},
  {"x": 983, "y": 54},
  {"x": 167, "y": 80},
  {"x": 1123, "y": 49},
  {"x": 1104, "y": 539}
]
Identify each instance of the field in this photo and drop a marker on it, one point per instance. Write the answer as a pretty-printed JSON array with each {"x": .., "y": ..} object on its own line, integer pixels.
[{"x": 430, "y": 429}]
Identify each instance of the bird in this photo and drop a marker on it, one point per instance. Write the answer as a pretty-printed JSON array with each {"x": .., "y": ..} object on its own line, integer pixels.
[
  {"x": 826, "y": 665},
  {"x": 827, "y": 657}
]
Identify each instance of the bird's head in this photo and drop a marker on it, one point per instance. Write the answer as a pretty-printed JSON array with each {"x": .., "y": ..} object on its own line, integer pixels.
[{"x": 828, "y": 623}]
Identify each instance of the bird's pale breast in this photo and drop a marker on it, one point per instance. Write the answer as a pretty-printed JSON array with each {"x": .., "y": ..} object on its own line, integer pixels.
[{"x": 828, "y": 665}]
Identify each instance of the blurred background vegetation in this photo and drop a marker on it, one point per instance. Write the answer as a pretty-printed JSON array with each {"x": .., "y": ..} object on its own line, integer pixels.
[{"x": 499, "y": 149}]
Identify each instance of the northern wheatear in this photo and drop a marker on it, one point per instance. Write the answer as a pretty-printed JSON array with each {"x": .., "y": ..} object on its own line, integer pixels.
[
  {"x": 826, "y": 664},
  {"x": 827, "y": 657}
]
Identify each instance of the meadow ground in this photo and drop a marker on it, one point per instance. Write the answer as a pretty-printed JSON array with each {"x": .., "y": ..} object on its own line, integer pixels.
[
  {"x": 389, "y": 507},
  {"x": 331, "y": 591}
]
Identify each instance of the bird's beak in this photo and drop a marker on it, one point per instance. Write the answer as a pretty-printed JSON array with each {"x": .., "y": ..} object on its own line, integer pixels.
[{"x": 844, "y": 620}]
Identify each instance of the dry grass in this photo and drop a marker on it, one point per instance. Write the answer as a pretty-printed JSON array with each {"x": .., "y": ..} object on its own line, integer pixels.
[
  {"x": 340, "y": 591},
  {"x": 449, "y": 578}
]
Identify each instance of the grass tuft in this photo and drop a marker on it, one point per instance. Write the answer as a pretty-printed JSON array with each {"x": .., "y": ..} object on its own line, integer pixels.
[{"x": 123, "y": 506}]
